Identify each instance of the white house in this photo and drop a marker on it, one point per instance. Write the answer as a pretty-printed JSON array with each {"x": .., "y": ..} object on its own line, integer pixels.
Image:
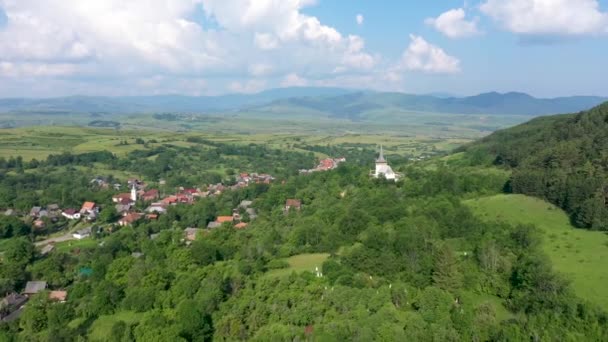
[
  {"x": 71, "y": 214},
  {"x": 81, "y": 234}
]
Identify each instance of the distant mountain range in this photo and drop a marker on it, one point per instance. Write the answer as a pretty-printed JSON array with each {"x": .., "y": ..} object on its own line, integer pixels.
[{"x": 333, "y": 102}]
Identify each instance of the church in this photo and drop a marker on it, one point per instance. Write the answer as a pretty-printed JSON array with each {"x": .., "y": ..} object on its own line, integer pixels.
[{"x": 383, "y": 169}]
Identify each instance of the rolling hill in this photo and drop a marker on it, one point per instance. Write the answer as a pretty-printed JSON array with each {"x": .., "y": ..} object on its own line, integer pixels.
[
  {"x": 328, "y": 102},
  {"x": 361, "y": 104},
  {"x": 563, "y": 159}
]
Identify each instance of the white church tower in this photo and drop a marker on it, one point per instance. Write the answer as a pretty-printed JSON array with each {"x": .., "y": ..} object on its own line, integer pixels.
[
  {"x": 133, "y": 193},
  {"x": 383, "y": 169}
]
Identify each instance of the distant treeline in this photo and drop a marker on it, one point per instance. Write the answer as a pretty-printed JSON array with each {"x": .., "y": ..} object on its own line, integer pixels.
[
  {"x": 104, "y": 123},
  {"x": 563, "y": 159}
]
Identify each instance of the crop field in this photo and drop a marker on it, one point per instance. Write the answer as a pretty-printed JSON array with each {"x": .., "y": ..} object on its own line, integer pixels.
[
  {"x": 579, "y": 254},
  {"x": 39, "y": 142}
]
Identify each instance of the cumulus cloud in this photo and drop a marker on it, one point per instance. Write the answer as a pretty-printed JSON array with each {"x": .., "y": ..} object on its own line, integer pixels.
[
  {"x": 360, "y": 19},
  {"x": 453, "y": 24},
  {"x": 117, "y": 39},
  {"x": 543, "y": 17},
  {"x": 426, "y": 57}
]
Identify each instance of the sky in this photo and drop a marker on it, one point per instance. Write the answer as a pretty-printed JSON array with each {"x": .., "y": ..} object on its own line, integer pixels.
[{"x": 547, "y": 48}]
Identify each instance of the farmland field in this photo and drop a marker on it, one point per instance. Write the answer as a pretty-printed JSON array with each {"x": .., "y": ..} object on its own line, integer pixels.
[{"x": 579, "y": 254}]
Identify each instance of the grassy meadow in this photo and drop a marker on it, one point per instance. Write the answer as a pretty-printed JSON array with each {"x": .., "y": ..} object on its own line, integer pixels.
[
  {"x": 301, "y": 263},
  {"x": 579, "y": 254}
]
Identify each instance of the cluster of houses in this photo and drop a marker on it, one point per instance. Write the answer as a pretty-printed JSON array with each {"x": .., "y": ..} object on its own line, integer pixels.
[
  {"x": 12, "y": 305},
  {"x": 236, "y": 219},
  {"x": 325, "y": 165}
]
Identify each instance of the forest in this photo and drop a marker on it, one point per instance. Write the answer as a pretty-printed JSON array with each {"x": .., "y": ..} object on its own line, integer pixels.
[
  {"x": 563, "y": 159},
  {"x": 401, "y": 261}
]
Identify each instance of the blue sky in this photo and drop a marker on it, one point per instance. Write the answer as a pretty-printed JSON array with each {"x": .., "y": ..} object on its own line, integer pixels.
[{"x": 200, "y": 47}]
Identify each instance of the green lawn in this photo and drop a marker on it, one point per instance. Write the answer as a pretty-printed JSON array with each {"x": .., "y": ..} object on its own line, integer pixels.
[
  {"x": 68, "y": 246},
  {"x": 102, "y": 326},
  {"x": 301, "y": 263},
  {"x": 580, "y": 254}
]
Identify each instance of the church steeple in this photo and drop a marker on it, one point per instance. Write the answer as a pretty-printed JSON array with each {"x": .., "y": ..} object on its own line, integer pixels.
[
  {"x": 133, "y": 193},
  {"x": 381, "y": 157}
]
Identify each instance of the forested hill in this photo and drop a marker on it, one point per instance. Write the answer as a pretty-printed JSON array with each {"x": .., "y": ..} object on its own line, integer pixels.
[{"x": 562, "y": 158}]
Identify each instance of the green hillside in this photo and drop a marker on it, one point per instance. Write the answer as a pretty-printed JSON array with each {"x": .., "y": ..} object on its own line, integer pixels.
[
  {"x": 563, "y": 159},
  {"x": 579, "y": 254}
]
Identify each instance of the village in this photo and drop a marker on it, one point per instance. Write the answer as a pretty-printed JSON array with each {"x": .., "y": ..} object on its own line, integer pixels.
[{"x": 155, "y": 204}]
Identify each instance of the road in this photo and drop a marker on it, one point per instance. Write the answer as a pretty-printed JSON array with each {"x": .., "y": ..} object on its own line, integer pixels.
[{"x": 62, "y": 238}]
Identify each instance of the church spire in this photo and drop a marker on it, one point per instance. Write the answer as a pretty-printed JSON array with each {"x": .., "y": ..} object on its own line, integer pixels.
[
  {"x": 381, "y": 157},
  {"x": 133, "y": 193}
]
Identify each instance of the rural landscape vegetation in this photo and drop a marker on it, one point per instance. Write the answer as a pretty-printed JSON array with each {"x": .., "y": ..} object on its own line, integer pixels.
[{"x": 301, "y": 212}]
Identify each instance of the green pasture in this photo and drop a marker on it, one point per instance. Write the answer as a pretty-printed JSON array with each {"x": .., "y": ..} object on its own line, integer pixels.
[{"x": 579, "y": 254}]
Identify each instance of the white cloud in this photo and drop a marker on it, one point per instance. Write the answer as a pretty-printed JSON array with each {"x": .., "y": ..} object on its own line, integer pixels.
[
  {"x": 548, "y": 17},
  {"x": 293, "y": 80},
  {"x": 360, "y": 19},
  {"x": 423, "y": 56},
  {"x": 131, "y": 40},
  {"x": 260, "y": 69},
  {"x": 265, "y": 41},
  {"x": 454, "y": 25}
]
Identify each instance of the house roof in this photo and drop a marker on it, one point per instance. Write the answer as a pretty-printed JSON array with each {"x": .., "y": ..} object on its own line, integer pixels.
[
  {"x": 53, "y": 207},
  {"x": 241, "y": 225},
  {"x": 214, "y": 224},
  {"x": 70, "y": 211},
  {"x": 151, "y": 192},
  {"x": 122, "y": 196},
  {"x": 130, "y": 218},
  {"x": 88, "y": 206},
  {"x": 14, "y": 299},
  {"x": 293, "y": 203},
  {"x": 58, "y": 295},
  {"x": 223, "y": 219},
  {"x": 84, "y": 231},
  {"x": 33, "y": 287}
]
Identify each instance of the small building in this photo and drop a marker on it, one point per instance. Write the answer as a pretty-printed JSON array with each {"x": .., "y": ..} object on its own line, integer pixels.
[
  {"x": 33, "y": 287},
  {"x": 290, "y": 204},
  {"x": 35, "y": 211},
  {"x": 245, "y": 204},
  {"x": 11, "y": 307},
  {"x": 214, "y": 224},
  {"x": 191, "y": 233},
  {"x": 122, "y": 198},
  {"x": 9, "y": 212},
  {"x": 122, "y": 208},
  {"x": 59, "y": 296},
  {"x": 129, "y": 219},
  {"x": 150, "y": 195},
  {"x": 39, "y": 224},
  {"x": 82, "y": 233},
  {"x": 71, "y": 214},
  {"x": 88, "y": 208},
  {"x": 241, "y": 225},
  {"x": 224, "y": 219},
  {"x": 160, "y": 208},
  {"x": 53, "y": 207}
]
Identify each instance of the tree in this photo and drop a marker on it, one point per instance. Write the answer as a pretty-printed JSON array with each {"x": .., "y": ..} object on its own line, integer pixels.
[
  {"x": 108, "y": 214},
  {"x": 446, "y": 274}
]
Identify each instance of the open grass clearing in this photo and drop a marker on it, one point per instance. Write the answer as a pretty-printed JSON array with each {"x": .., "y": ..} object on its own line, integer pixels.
[
  {"x": 301, "y": 263},
  {"x": 579, "y": 254}
]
